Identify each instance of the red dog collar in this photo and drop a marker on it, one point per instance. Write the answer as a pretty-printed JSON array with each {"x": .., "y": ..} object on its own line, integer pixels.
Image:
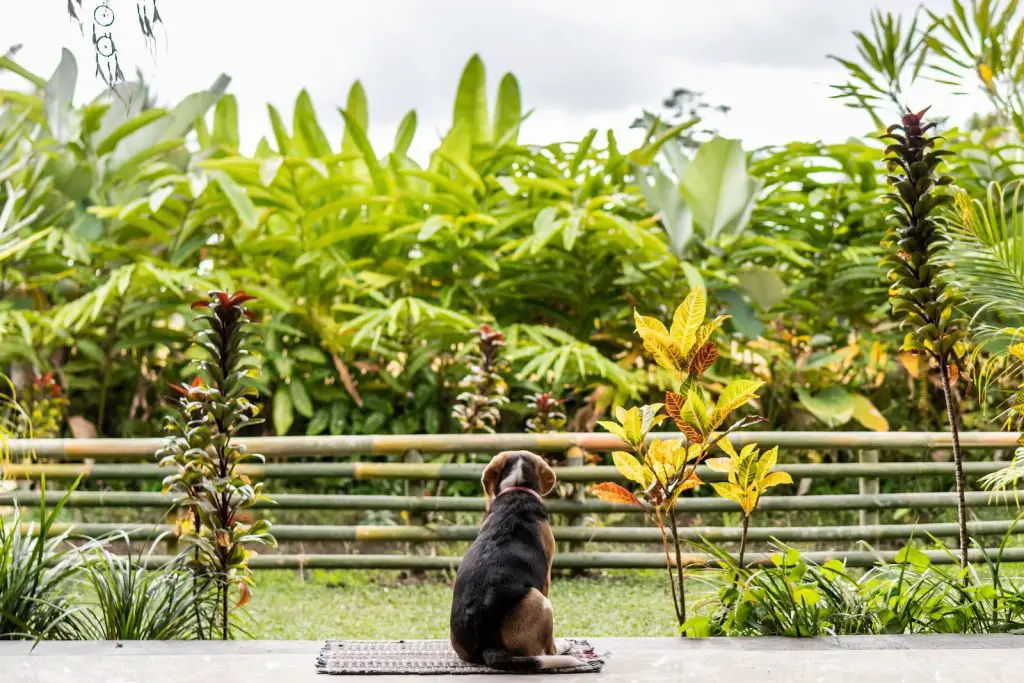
[{"x": 520, "y": 488}]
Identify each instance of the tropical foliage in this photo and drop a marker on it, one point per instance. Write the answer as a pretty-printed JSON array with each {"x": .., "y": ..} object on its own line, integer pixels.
[{"x": 664, "y": 469}]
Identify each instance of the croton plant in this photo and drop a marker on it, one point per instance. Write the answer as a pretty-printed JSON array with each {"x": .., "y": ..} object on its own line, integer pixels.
[{"x": 662, "y": 469}]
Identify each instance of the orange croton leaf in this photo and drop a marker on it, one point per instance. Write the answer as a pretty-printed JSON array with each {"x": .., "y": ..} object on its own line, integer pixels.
[
  {"x": 703, "y": 359},
  {"x": 673, "y": 405},
  {"x": 613, "y": 493}
]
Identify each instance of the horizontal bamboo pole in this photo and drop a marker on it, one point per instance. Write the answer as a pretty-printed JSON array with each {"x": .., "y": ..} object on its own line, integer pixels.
[
  {"x": 334, "y": 446},
  {"x": 310, "y": 501},
  {"x": 466, "y": 472},
  {"x": 454, "y": 533},
  {"x": 852, "y": 558}
]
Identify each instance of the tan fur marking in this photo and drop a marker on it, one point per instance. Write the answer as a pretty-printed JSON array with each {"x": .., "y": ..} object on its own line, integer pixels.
[
  {"x": 547, "y": 538},
  {"x": 546, "y": 474},
  {"x": 528, "y": 630},
  {"x": 491, "y": 474}
]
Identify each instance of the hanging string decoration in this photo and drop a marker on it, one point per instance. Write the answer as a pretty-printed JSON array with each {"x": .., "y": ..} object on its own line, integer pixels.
[{"x": 105, "y": 48}]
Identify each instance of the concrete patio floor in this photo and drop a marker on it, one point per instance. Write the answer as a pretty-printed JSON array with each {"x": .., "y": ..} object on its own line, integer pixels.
[{"x": 864, "y": 659}]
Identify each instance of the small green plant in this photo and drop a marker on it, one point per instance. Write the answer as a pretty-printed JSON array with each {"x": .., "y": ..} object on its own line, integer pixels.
[
  {"x": 920, "y": 296},
  {"x": 205, "y": 453},
  {"x": 478, "y": 407},
  {"x": 750, "y": 474},
  {"x": 46, "y": 406},
  {"x": 129, "y": 601},
  {"x": 546, "y": 414},
  {"x": 37, "y": 576},
  {"x": 664, "y": 469}
]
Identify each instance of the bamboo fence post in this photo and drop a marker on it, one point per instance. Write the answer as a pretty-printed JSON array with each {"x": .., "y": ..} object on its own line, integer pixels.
[
  {"x": 868, "y": 486},
  {"x": 575, "y": 457},
  {"x": 414, "y": 489}
]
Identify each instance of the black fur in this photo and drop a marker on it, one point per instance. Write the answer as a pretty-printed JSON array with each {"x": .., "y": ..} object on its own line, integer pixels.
[{"x": 500, "y": 568}]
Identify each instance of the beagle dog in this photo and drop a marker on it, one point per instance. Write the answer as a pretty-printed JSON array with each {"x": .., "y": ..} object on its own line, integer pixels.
[{"x": 501, "y": 615}]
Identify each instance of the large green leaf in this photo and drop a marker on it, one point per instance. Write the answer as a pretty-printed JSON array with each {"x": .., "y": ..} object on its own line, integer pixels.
[
  {"x": 717, "y": 188},
  {"x": 471, "y": 101},
  {"x": 62, "y": 120},
  {"x": 663, "y": 198},
  {"x": 763, "y": 285},
  {"x": 404, "y": 135},
  {"x": 833, "y": 406},
  {"x": 284, "y": 414},
  {"x": 358, "y": 111},
  {"x": 306, "y": 129},
  {"x": 508, "y": 111},
  {"x": 225, "y": 122}
]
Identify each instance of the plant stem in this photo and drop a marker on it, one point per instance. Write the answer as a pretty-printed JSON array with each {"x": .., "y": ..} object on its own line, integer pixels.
[
  {"x": 668, "y": 566},
  {"x": 679, "y": 566},
  {"x": 743, "y": 541},
  {"x": 958, "y": 461}
]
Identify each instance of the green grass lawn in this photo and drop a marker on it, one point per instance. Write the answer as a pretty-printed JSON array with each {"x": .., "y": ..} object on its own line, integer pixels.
[{"x": 378, "y": 605}]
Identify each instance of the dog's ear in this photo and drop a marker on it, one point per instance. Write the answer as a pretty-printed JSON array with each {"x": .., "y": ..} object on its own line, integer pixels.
[
  {"x": 491, "y": 474},
  {"x": 546, "y": 474}
]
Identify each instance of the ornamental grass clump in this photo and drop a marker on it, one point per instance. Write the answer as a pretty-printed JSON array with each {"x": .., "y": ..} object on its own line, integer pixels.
[
  {"x": 206, "y": 454},
  {"x": 920, "y": 295},
  {"x": 665, "y": 468}
]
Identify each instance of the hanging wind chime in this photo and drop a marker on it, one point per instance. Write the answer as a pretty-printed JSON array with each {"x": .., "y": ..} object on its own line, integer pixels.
[{"x": 108, "y": 59}]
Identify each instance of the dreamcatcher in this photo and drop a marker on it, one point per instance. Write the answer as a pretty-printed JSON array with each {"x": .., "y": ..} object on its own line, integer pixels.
[{"x": 108, "y": 58}]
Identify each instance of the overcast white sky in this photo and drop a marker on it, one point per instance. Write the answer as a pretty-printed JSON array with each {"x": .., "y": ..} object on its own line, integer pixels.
[{"x": 581, "y": 63}]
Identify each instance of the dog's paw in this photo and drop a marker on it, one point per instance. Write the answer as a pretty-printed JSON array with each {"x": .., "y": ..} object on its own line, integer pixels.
[{"x": 562, "y": 647}]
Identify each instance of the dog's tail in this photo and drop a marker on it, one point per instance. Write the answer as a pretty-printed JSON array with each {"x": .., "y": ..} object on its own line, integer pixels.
[{"x": 497, "y": 659}]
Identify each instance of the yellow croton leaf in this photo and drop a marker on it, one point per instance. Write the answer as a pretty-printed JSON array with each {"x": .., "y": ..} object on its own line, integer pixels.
[
  {"x": 665, "y": 350},
  {"x": 775, "y": 479},
  {"x": 647, "y": 325},
  {"x": 766, "y": 462},
  {"x": 694, "y": 416},
  {"x": 727, "y": 490},
  {"x": 688, "y": 318},
  {"x": 691, "y": 481},
  {"x": 661, "y": 456},
  {"x": 629, "y": 466},
  {"x": 615, "y": 428},
  {"x": 748, "y": 501},
  {"x": 687, "y": 455},
  {"x": 722, "y": 465},
  {"x": 736, "y": 394}
]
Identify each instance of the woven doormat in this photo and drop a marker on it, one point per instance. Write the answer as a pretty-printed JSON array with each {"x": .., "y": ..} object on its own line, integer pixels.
[{"x": 367, "y": 657}]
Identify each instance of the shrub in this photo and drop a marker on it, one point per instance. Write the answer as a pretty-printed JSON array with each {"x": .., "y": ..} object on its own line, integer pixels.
[{"x": 203, "y": 449}]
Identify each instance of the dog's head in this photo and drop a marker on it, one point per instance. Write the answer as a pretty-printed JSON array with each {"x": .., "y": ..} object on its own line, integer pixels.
[{"x": 517, "y": 468}]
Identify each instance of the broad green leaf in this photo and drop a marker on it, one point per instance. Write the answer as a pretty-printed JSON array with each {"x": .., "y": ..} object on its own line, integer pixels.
[
  {"x": 225, "y": 122},
  {"x": 764, "y": 286},
  {"x": 508, "y": 110},
  {"x": 363, "y": 145},
  {"x": 62, "y": 120},
  {"x": 283, "y": 411},
  {"x": 717, "y": 188},
  {"x": 300, "y": 398},
  {"x": 404, "y": 135},
  {"x": 306, "y": 128},
  {"x": 284, "y": 141},
  {"x": 471, "y": 101},
  {"x": 865, "y": 412},
  {"x": 833, "y": 406},
  {"x": 237, "y": 197},
  {"x": 358, "y": 110}
]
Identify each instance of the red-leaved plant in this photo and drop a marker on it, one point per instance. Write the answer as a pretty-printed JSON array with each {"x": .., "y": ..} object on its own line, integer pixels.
[{"x": 203, "y": 449}]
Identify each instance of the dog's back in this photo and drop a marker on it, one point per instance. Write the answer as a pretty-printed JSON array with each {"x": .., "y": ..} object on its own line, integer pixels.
[
  {"x": 498, "y": 571},
  {"x": 501, "y": 615}
]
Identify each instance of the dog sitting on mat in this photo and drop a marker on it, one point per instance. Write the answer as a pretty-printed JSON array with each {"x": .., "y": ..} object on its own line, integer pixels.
[{"x": 501, "y": 615}]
